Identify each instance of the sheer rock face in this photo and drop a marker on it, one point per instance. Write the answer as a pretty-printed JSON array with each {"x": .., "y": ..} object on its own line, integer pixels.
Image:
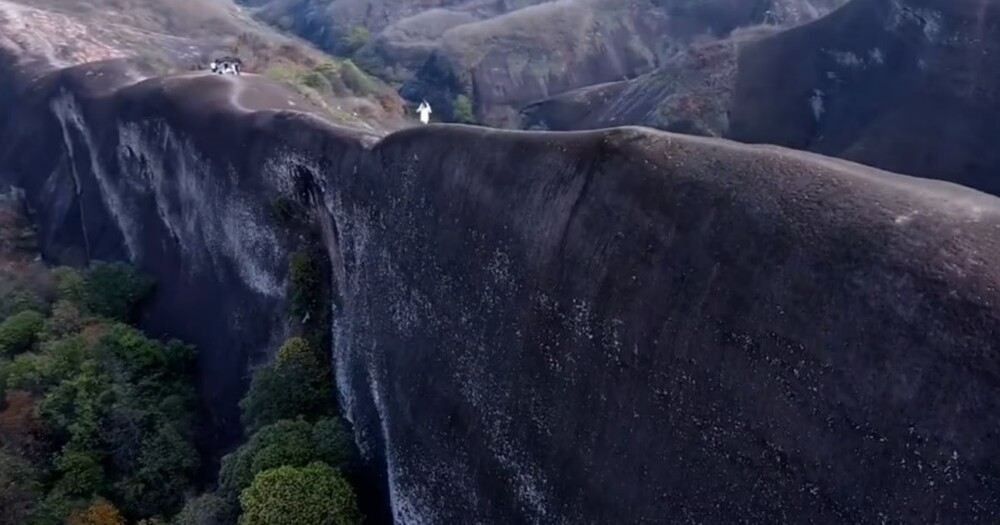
[{"x": 611, "y": 326}]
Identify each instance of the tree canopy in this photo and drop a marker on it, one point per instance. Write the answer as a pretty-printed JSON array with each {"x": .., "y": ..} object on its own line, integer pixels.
[
  {"x": 312, "y": 495},
  {"x": 100, "y": 414}
]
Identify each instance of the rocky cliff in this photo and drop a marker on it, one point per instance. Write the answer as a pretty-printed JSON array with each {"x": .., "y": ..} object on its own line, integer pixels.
[{"x": 611, "y": 326}]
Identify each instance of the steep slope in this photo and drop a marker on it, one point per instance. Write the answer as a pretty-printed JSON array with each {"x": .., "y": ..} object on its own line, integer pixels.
[
  {"x": 613, "y": 326},
  {"x": 909, "y": 86},
  {"x": 904, "y": 85}
]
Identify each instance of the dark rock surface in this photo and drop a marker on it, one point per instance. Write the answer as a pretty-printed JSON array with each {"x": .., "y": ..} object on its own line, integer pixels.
[
  {"x": 905, "y": 85},
  {"x": 612, "y": 326}
]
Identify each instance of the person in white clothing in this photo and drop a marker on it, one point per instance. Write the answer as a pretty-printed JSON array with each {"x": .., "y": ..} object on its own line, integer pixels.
[{"x": 425, "y": 112}]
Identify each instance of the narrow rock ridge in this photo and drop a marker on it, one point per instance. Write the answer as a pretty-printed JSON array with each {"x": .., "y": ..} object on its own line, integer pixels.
[{"x": 610, "y": 326}]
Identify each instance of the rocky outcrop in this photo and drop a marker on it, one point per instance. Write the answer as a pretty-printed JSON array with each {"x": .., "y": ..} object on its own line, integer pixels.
[{"x": 611, "y": 326}]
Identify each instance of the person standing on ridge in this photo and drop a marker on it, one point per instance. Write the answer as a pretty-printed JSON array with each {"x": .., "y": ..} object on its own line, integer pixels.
[{"x": 425, "y": 112}]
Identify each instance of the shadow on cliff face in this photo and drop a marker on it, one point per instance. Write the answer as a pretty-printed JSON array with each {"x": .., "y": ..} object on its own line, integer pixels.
[{"x": 614, "y": 326}]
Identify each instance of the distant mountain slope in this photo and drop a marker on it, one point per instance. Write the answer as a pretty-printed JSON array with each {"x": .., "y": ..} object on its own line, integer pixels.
[
  {"x": 506, "y": 54},
  {"x": 690, "y": 93},
  {"x": 905, "y": 85}
]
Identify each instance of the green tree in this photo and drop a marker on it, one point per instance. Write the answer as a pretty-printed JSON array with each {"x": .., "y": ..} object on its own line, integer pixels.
[
  {"x": 94, "y": 407},
  {"x": 297, "y": 383},
  {"x": 462, "y": 110},
  {"x": 69, "y": 285},
  {"x": 356, "y": 38},
  {"x": 56, "y": 507},
  {"x": 312, "y": 495},
  {"x": 207, "y": 509},
  {"x": 334, "y": 444},
  {"x": 80, "y": 471},
  {"x": 19, "y": 333},
  {"x": 316, "y": 80},
  {"x": 26, "y": 372},
  {"x": 306, "y": 283},
  {"x": 136, "y": 356},
  {"x": 20, "y": 491},
  {"x": 75, "y": 406},
  {"x": 293, "y": 443},
  {"x": 59, "y": 360},
  {"x": 297, "y": 351},
  {"x": 4, "y": 377},
  {"x": 278, "y": 391},
  {"x": 166, "y": 464},
  {"x": 114, "y": 289},
  {"x": 20, "y": 295},
  {"x": 357, "y": 80},
  {"x": 66, "y": 319}
]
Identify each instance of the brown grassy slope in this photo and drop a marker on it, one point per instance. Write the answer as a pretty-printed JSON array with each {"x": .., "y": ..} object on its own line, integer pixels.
[
  {"x": 513, "y": 60},
  {"x": 178, "y": 35},
  {"x": 526, "y": 55},
  {"x": 690, "y": 93}
]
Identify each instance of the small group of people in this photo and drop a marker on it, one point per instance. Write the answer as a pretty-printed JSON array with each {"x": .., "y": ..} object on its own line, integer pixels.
[{"x": 226, "y": 66}]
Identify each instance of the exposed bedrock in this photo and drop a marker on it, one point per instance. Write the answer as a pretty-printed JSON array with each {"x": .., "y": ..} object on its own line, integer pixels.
[{"x": 617, "y": 326}]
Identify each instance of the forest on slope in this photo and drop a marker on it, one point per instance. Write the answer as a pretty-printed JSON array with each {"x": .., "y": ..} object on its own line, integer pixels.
[{"x": 99, "y": 422}]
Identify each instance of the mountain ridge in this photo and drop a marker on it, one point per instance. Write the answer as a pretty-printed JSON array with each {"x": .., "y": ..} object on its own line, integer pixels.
[{"x": 788, "y": 320}]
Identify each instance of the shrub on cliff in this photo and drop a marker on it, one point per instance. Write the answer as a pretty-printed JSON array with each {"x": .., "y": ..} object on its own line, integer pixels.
[
  {"x": 357, "y": 80},
  {"x": 353, "y": 40},
  {"x": 296, "y": 383},
  {"x": 19, "y": 332},
  {"x": 312, "y": 495},
  {"x": 292, "y": 443},
  {"x": 462, "y": 110},
  {"x": 113, "y": 290}
]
